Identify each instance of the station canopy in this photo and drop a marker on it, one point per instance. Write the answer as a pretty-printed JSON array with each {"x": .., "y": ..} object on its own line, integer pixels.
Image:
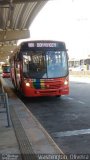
[{"x": 16, "y": 17}]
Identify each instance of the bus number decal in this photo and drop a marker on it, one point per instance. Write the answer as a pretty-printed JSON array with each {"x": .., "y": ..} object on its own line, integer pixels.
[{"x": 30, "y": 44}]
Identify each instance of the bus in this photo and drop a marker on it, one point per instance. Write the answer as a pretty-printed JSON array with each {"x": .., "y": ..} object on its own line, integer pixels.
[
  {"x": 6, "y": 71},
  {"x": 40, "y": 68}
]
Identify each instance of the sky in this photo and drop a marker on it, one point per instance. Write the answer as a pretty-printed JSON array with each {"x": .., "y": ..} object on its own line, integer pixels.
[{"x": 65, "y": 20}]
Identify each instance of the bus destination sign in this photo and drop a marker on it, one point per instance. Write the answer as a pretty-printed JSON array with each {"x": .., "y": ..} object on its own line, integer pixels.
[{"x": 42, "y": 44}]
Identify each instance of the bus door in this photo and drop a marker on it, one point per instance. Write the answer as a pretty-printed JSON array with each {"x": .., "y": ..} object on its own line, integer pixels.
[{"x": 18, "y": 74}]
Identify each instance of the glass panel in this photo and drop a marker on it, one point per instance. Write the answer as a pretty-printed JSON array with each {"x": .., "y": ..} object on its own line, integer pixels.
[
  {"x": 6, "y": 69},
  {"x": 34, "y": 65},
  {"x": 56, "y": 64},
  {"x": 49, "y": 64}
]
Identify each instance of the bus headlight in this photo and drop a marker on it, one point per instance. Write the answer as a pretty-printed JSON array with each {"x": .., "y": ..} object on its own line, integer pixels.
[
  {"x": 27, "y": 84},
  {"x": 65, "y": 82}
]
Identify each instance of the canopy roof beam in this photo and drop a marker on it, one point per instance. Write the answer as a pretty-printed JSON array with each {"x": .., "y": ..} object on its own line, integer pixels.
[{"x": 10, "y": 35}]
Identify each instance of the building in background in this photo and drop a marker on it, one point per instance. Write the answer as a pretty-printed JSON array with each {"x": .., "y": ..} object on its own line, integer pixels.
[{"x": 79, "y": 64}]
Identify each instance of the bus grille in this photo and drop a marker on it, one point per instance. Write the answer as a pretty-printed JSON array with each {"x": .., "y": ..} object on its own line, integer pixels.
[
  {"x": 47, "y": 92},
  {"x": 53, "y": 86}
]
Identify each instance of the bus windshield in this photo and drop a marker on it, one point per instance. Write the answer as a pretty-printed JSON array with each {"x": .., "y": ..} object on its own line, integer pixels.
[
  {"x": 45, "y": 64},
  {"x": 6, "y": 69}
]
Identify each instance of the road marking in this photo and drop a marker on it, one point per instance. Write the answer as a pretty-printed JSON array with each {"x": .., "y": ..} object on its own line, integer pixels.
[
  {"x": 66, "y": 97},
  {"x": 81, "y": 102},
  {"x": 72, "y": 133},
  {"x": 70, "y": 98}
]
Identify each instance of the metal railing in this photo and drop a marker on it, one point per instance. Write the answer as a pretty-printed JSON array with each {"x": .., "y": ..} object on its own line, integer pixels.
[{"x": 4, "y": 104}]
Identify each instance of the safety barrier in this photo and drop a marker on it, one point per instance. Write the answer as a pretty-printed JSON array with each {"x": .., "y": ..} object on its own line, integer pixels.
[{"x": 4, "y": 104}]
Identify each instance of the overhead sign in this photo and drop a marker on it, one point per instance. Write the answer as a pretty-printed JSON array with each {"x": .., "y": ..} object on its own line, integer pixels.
[{"x": 42, "y": 44}]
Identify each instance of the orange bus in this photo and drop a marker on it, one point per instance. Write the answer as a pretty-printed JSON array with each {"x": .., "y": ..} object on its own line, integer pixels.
[{"x": 40, "y": 68}]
